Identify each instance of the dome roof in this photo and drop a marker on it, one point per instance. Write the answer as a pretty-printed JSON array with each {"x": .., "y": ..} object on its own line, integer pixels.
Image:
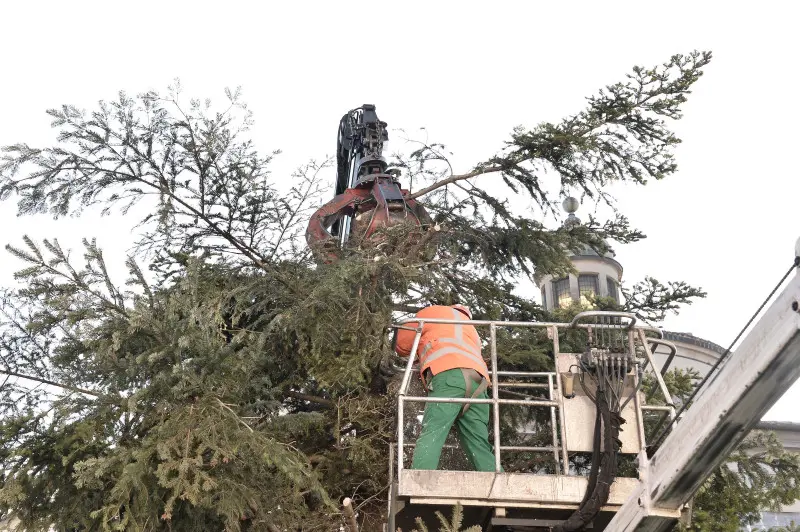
[
  {"x": 571, "y": 205},
  {"x": 587, "y": 251}
]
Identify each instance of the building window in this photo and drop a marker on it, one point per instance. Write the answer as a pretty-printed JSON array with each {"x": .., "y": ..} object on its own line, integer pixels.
[
  {"x": 613, "y": 292},
  {"x": 544, "y": 298},
  {"x": 561, "y": 295},
  {"x": 587, "y": 286}
]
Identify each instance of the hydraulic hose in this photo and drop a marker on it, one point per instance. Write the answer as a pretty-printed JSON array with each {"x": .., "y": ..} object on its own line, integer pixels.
[{"x": 603, "y": 470}]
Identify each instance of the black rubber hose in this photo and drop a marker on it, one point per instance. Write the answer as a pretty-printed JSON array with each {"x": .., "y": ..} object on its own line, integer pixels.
[
  {"x": 342, "y": 170},
  {"x": 596, "y": 457},
  {"x": 597, "y": 495},
  {"x": 342, "y": 160}
]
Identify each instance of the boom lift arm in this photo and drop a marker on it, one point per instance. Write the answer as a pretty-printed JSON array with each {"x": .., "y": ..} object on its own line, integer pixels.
[{"x": 764, "y": 366}]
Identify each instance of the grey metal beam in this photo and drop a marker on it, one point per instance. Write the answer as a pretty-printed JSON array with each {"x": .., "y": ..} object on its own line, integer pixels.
[{"x": 733, "y": 401}]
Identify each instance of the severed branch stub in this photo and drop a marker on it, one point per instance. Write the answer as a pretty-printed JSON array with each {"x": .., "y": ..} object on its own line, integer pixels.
[{"x": 349, "y": 514}]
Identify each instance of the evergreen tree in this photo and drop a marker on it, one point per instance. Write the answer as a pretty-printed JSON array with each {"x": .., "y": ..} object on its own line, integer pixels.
[
  {"x": 760, "y": 476},
  {"x": 232, "y": 383},
  {"x": 454, "y": 525}
]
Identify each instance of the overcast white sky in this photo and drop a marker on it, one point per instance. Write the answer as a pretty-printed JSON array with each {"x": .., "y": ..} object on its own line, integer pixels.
[{"x": 468, "y": 72}]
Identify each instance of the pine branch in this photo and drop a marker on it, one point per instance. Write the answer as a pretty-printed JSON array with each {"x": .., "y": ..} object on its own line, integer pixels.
[
  {"x": 50, "y": 382},
  {"x": 235, "y": 415},
  {"x": 652, "y": 300},
  {"x": 454, "y": 179},
  {"x": 621, "y": 136}
]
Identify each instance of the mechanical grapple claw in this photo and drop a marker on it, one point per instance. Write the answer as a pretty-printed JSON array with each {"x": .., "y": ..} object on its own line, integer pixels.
[{"x": 368, "y": 198}]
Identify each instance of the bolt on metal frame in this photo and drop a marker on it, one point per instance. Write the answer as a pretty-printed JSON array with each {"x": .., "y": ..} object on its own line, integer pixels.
[{"x": 555, "y": 399}]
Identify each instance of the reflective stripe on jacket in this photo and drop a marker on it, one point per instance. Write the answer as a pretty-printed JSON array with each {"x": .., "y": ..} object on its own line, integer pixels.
[{"x": 444, "y": 346}]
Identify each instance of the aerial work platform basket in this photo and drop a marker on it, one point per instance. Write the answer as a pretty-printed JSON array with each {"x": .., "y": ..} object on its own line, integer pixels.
[{"x": 546, "y": 495}]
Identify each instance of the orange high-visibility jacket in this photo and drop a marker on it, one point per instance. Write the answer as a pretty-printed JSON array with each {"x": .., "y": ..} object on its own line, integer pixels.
[{"x": 443, "y": 346}]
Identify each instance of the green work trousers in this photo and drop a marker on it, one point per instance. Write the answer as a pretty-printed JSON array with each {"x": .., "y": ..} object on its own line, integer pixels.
[{"x": 473, "y": 426}]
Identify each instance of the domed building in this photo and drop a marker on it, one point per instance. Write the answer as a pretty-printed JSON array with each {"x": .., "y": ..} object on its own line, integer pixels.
[{"x": 601, "y": 276}]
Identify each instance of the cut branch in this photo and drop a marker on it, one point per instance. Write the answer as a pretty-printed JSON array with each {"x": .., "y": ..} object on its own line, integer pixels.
[{"x": 349, "y": 514}]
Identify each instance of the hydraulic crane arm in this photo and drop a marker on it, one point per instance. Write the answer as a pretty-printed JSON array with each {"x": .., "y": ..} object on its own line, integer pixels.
[{"x": 367, "y": 196}]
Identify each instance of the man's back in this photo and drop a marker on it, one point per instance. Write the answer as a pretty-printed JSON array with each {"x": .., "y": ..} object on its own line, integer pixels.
[{"x": 444, "y": 346}]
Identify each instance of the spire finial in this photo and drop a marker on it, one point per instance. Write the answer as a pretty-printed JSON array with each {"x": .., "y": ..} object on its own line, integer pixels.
[{"x": 571, "y": 205}]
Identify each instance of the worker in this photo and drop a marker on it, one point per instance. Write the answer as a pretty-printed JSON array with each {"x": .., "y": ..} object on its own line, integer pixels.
[{"x": 450, "y": 365}]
